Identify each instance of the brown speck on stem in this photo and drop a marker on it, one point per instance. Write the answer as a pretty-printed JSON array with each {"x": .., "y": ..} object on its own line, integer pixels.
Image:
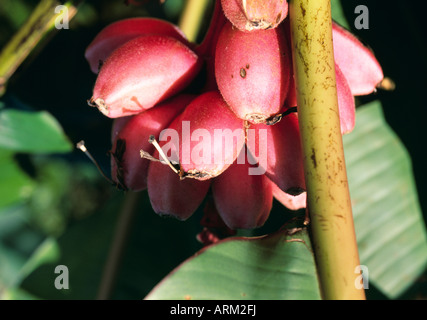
[
  {"x": 303, "y": 11},
  {"x": 313, "y": 157}
]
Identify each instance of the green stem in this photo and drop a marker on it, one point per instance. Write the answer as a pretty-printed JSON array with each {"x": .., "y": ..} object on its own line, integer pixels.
[
  {"x": 40, "y": 23},
  {"x": 328, "y": 197},
  {"x": 192, "y": 17}
]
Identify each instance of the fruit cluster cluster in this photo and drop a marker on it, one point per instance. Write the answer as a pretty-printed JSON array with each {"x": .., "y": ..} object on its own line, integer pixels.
[{"x": 145, "y": 67}]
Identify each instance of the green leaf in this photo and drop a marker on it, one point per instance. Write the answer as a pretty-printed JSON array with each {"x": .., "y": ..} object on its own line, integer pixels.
[
  {"x": 83, "y": 250},
  {"x": 15, "y": 267},
  {"x": 47, "y": 252},
  {"x": 389, "y": 226},
  {"x": 34, "y": 132},
  {"x": 17, "y": 294},
  {"x": 155, "y": 246},
  {"x": 15, "y": 185},
  {"x": 16, "y": 11},
  {"x": 173, "y": 8},
  {"x": 338, "y": 14},
  {"x": 279, "y": 266}
]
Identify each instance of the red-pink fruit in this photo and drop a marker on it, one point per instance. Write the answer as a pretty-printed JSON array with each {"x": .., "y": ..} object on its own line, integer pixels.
[
  {"x": 210, "y": 137},
  {"x": 120, "y": 32},
  {"x": 346, "y": 106},
  {"x": 292, "y": 202},
  {"x": 172, "y": 196},
  {"x": 243, "y": 201},
  {"x": 248, "y": 15},
  {"x": 277, "y": 148},
  {"x": 141, "y": 73},
  {"x": 131, "y": 134},
  {"x": 214, "y": 228},
  {"x": 253, "y": 70},
  {"x": 357, "y": 62}
]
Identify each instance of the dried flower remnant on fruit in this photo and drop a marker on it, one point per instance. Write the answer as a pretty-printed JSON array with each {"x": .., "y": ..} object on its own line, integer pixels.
[
  {"x": 252, "y": 15},
  {"x": 174, "y": 166},
  {"x": 136, "y": 130}
]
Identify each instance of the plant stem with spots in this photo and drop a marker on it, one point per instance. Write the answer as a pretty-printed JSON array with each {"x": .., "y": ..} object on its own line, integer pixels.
[
  {"x": 328, "y": 197},
  {"x": 36, "y": 28}
]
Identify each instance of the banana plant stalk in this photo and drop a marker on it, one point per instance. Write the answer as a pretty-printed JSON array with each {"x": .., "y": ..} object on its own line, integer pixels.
[
  {"x": 38, "y": 26},
  {"x": 328, "y": 197},
  {"x": 192, "y": 17}
]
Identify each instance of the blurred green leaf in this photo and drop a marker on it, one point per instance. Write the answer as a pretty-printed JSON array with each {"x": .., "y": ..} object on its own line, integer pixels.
[
  {"x": 65, "y": 194},
  {"x": 86, "y": 16},
  {"x": 17, "y": 294},
  {"x": 83, "y": 250},
  {"x": 150, "y": 254},
  {"x": 47, "y": 252},
  {"x": 389, "y": 226},
  {"x": 33, "y": 132},
  {"x": 15, "y": 11},
  {"x": 15, "y": 185},
  {"x": 338, "y": 14},
  {"x": 173, "y": 8},
  {"x": 14, "y": 266},
  {"x": 278, "y": 266}
]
